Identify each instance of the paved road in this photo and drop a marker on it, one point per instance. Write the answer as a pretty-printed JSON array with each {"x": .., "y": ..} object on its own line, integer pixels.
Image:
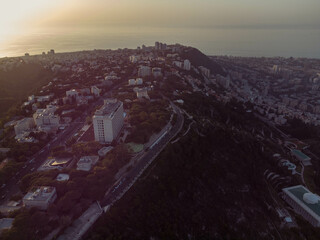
[
  {"x": 127, "y": 181},
  {"x": 76, "y": 231},
  {"x": 40, "y": 157}
]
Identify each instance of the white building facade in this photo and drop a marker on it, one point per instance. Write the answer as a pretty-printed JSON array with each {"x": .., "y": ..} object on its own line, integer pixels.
[
  {"x": 108, "y": 121},
  {"x": 186, "y": 65},
  {"x": 45, "y": 117}
]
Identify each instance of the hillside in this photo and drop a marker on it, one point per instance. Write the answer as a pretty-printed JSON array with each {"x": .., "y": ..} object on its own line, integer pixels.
[
  {"x": 19, "y": 82},
  {"x": 208, "y": 185},
  {"x": 197, "y": 58}
]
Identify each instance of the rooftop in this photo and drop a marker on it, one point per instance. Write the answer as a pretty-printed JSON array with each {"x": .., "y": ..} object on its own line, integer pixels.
[
  {"x": 39, "y": 194},
  {"x": 55, "y": 163},
  {"x": 6, "y": 223},
  {"x": 63, "y": 177},
  {"x": 108, "y": 109},
  {"x": 300, "y": 154},
  {"x": 88, "y": 159},
  {"x": 304, "y": 200},
  {"x": 103, "y": 151}
]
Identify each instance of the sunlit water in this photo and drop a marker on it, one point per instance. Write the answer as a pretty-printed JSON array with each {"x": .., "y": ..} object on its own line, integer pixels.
[{"x": 237, "y": 42}]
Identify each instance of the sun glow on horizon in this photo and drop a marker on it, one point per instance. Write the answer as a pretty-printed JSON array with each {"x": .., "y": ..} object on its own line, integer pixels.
[{"x": 16, "y": 16}]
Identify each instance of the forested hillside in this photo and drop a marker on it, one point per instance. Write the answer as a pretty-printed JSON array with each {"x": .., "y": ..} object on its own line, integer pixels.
[
  {"x": 208, "y": 185},
  {"x": 19, "y": 82}
]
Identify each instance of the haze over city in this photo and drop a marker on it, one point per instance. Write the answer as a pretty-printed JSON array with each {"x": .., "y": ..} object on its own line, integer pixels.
[
  {"x": 217, "y": 27},
  {"x": 158, "y": 119}
]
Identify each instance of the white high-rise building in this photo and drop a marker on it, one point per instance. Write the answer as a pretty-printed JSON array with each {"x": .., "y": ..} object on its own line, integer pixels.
[
  {"x": 187, "y": 65},
  {"x": 108, "y": 121}
]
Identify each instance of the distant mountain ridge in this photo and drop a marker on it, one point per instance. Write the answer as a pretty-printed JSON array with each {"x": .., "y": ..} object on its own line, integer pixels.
[{"x": 197, "y": 58}]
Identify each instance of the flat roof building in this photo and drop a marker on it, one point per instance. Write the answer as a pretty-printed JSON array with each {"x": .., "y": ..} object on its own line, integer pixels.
[
  {"x": 55, "y": 163},
  {"x": 40, "y": 197},
  {"x": 144, "y": 71},
  {"x": 62, "y": 177},
  {"x": 23, "y": 125},
  {"x": 103, "y": 151},
  {"x": 304, "y": 203},
  {"x": 306, "y": 161},
  {"x": 5, "y": 223},
  {"x": 46, "y": 117},
  {"x": 85, "y": 163},
  {"x": 108, "y": 121}
]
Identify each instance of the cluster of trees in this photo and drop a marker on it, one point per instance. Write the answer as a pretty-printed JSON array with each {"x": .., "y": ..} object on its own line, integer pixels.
[
  {"x": 29, "y": 75},
  {"x": 20, "y": 151},
  {"x": 117, "y": 158},
  {"x": 298, "y": 129},
  {"x": 8, "y": 170},
  {"x": 18, "y": 154},
  {"x": 60, "y": 152},
  {"x": 29, "y": 224},
  {"x": 147, "y": 118},
  {"x": 87, "y": 148},
  {"x": 189, "y": 191},
  {"x": 172, "y": 83}
]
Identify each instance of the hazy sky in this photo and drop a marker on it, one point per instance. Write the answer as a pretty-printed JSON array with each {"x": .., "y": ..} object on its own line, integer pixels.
[{"x": 23, "y": 17}]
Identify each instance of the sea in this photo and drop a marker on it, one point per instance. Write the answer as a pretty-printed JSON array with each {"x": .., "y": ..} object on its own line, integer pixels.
[{"x": 246, "y": 42}]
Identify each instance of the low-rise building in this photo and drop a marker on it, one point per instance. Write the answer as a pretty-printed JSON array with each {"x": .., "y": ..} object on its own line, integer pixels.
[
  {"x": 144, "y": 71},
  {"x": 306, "y": 160},
  {"x": 5, "y": 224},
  {"x": 178, "y": 64},
  {"x": 62, "y": 177},
  {"x": 103, "y": 151},
  {"x": 23, "y": 125},
  {"x": 85, "y": 163},
  {"x": 73, "y": 93},
  {"x": 132, "y": 82},
  {"x": 139, "y": 81},
  {"x": 141, "y": 93},
  {"x": 45, "y": 117},
  {"x": 95, "y": 91},
  {"x": 304, "y": 202},
  {"x": 156, "y": 72},
  {"x": 40, "y": 197},
  {"x": 56, "y": 163}
]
